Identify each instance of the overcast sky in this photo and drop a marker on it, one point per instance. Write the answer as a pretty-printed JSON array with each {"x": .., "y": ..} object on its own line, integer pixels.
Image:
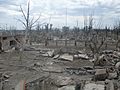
[{"x": 105, "y": 12}]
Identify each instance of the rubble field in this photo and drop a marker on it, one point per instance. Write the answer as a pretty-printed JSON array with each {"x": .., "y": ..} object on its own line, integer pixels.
[{"x": 38, "y": 68}]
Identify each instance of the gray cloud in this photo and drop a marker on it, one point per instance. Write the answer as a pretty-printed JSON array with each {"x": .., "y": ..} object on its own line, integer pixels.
[{"x": 108, "y": 8}]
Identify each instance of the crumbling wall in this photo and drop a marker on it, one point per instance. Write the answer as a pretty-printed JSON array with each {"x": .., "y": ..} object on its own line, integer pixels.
[{"x": 6, "y": 42}]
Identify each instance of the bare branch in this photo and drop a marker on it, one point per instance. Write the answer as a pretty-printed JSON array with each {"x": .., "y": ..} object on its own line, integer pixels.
[
  {"x": 40, "y": 24},
  {"x": 22, "y": 22},
  {"x": 102, "y": 42},
  {"x": 36, "y": 20},
  {"x": 32, "y": 20},
  {"x": 28, "y": 11},
  {"x": 23, "y": 13}
]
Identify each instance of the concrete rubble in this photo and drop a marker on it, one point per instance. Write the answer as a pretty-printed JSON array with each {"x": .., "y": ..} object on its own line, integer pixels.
[
  {"x": 66, "y": 57},
  {"x": 82, "y": 56},
  {"x": 63, "y": 70},
  {"x": 63, "y": 81},
  {"x": 53, "y": 69},
  {"x": 81, "y": 71},
  {"x": 93, "y": 86},
  {"x": 72, "y": 87},
  {"x": 117, "y": 66},
  {"x": 101, "y": 74}
]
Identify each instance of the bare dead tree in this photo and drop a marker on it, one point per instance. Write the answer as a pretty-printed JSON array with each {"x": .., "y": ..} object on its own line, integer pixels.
[
  {"x": 91, "y": 22},
  {"x": 76, "y": 34},
  {"x": 116, "y": 33},
  {"x": 85, "y": 30},
  {"x": 28, "y": 24},
  {"x": 95, "y": 44},
  {"x": 88, "y": 27},
  {"x": 94, "y": 39}
]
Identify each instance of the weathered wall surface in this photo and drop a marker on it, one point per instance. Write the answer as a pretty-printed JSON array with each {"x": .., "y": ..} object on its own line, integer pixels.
[{"x": 6, "y": 42}]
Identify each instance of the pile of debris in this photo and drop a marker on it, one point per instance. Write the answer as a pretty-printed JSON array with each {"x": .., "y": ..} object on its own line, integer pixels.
[
  {"x": 86, "y": 70},
  {"x": 102, "y": 75},
  {"x": 63, "y": 54}
]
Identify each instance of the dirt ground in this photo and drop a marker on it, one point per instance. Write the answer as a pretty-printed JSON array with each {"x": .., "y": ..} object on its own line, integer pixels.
[
  {"x": 29, "y": 65},
  {"x": 19, "y": 66}
]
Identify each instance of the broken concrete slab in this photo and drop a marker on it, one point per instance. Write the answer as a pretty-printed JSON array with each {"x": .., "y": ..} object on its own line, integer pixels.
[
  {"x": 92, "y": 60},
  {"x": 100, "y": 71},
  {"x": 93, "y": 86},
  {"x": 116, "y": 53},
  {"x": 56, "y": 56},
  {"x": 28, "y": 48},
  {"x": 63, "y": 81},
  {"x": 66, "y": 57},
  {"x": 52, "y": 69},
  {"x": 80, "y": 52},
  {"x": 81, "y": 56},
  {"x": 89, "y": 69},
  {"x": 69, "y": 87},
  {"x": 50, "y": 53},
  {"x": 6, "y": 76},
  {"x": 81, "y": 71},
  {"x": 101, "y": 74},
  {"x": 77, "y": 71},
  {"x": 76, "y": 56},
  {"x": 103, "y": 60},
  {"x": 112, "y": 75},
  {"x": 109, "y": 85},
  {"x": 117, "y": 66},
  {"x": 47, "y": 53}
]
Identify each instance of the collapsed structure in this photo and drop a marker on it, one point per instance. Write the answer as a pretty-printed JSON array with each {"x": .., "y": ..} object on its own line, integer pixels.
[{"x": 9, "y": 41}]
